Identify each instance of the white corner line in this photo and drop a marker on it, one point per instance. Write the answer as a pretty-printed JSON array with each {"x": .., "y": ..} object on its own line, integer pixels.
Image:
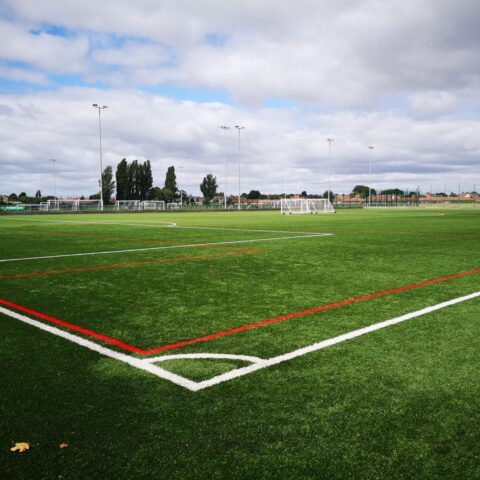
[
  {"x": 204, "y": 356},
  {"x": 328, "y": 343},
  {"x": 163, "y": 247},
  {"x": 146, "y": 364},
  {"x": 132, "y": 361}
]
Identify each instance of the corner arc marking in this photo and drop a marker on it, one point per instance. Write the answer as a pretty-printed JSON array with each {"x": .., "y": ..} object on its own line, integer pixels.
[{"x": 204, "y": 356}]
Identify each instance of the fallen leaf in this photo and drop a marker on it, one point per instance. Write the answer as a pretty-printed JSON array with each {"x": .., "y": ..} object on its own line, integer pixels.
[
  {"x": 20, "y": 447},
  {"x": 63, "y": 445}
]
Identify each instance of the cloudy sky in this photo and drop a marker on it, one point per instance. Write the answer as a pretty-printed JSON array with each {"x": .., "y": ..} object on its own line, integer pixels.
[{"x": 401, "y": 75}]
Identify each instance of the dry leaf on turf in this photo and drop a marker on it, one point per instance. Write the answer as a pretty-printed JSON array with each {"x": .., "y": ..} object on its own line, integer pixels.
[
  {"x": 20, "y": 447},
  {"x": 63, "y": 445}
]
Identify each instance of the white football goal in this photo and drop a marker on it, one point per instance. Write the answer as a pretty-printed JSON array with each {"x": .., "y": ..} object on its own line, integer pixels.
[
  {"x": 90, "y": 205},
  {"x": 153, "y": 205},
  {"x": 61, "y": 205},
  {"x": 127, "y": 205},
  {"x": 290, "y": 206}
]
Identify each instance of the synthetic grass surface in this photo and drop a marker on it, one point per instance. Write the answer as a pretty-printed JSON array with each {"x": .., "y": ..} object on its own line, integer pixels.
[{"x": 397, "y": 403}]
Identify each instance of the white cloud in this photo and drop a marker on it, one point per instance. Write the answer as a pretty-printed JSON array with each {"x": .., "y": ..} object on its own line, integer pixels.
[
  {"x": 432, "y": 104},
  {"x": 348, "y": 54},
  {"x": 64, "y": 126},
  {"x": 48, "y": 52},
  {"x": 22, "y": 75}
]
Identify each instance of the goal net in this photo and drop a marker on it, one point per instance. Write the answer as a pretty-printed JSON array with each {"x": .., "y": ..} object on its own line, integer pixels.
[
  {"x": 90, "y": 205},
  {"x": 291, "y": 206},
  {"x": 61, "y": 204},
  {"x": 127, "y": 205},
  {"x": 153, "y": 205}
]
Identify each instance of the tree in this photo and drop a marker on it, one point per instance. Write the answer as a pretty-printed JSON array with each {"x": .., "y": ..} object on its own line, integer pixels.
[
  {"x": 304, "y": 194},
  {"x": 108, "y": 184},
  {"x": 145, "y": 180},
  {"x": 13, "y": 197},
  {"x": 362, "y": 191},
  {"x": 392, "y": 191},
  {"x": 171, "y": 180},
  {"x": 168, "y": 195},
  {"x": 121, "y": 176},
  {"x": 331, "y": 196},
  {"x": 132, "y": 181},
  {"x": 156, "y": 193},
  {"x": 209, "y": 188},
  {"x": 38, "y": 194},
  {"x": 253, "y": 195}
]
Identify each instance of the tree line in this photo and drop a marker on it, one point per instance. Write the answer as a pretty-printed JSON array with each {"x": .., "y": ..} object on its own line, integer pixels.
[{"x": 134, "y": 181}]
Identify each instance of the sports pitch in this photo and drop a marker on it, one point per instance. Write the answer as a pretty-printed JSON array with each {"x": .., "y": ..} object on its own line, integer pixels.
[{"x": 241, "y": 345}]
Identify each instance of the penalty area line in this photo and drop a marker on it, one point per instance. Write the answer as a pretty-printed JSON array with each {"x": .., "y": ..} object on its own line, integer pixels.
[{"x": 163, "y": 247}]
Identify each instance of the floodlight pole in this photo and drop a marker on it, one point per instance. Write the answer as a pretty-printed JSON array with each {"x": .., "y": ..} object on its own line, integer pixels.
[
  {"x": 329, "y": 140},
  {"x": 225, "y": 128},
  {"x": 53, "y": 160},
  {"x": 239, "y": 128},
  {"x": 95, "y": 105},
  {"x": 371, "y": 147}
]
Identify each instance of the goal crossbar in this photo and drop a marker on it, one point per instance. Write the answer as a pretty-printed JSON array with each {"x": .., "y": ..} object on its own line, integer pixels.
[{"x": 290, "y": 206}]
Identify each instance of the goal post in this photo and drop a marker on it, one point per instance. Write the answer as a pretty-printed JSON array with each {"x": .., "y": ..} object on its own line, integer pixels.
[
  {"x": 127, "y": 205},
  {"x": 90, "y": 205},
  {"x": 61, "y": 204},
  {"x": 291, "y": 206},
  {"x": 153, "y": 205}
]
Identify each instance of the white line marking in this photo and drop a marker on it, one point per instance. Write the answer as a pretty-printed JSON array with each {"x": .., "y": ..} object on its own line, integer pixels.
[
  {"x": 200, "y": 356},
  {"x": 134, "y": 362},
  {"x": 158, "y": 224},
  {"x": 48, "y": 220},
  {"x": 147, "y": 366},
  {"x": 248, "y": 230},
  {"x": 380, "y": 216},
  {"x": 164, "y": 247},
  {"x": 327, "y": 343}
]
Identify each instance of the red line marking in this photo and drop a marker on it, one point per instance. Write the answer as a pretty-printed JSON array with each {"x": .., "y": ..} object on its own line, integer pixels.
[
  {"x": 212, "y": 336},
  {"x": 308, "y": 312},
  {"x": 245, "y": 251},
  {"x": 70, "y": 326}
]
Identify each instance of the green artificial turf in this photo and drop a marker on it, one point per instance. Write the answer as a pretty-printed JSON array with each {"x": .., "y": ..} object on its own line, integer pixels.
[{"x": 397, "y": 403}]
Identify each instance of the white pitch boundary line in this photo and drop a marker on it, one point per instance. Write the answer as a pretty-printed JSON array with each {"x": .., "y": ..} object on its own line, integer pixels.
[
  {"x": 159, "y": 224},
  {"x": 132, "y": 361},
  {"x": 163, "y": 247},
  {"x": 380, "y": 216},
  {"x": 249, "y": 230},
  {"x": 146, "y": 365},
  {"x": 327, "y": 343}
]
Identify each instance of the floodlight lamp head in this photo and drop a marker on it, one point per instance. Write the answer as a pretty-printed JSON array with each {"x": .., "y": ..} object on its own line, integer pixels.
[
  {"x": 239, "y": 127},
  {"x": 330, "y": 139},
  {"x": 95, "y": 105},
  {"x": 371, "y": 147}
]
